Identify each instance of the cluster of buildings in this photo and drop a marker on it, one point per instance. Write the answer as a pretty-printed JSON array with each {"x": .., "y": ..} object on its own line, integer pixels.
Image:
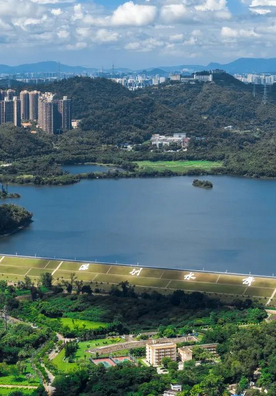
[
  {"x": 51, "y": 115},
  {"x": 161, "y": 141},
  {"x": 258, "y": 79},
  {"x": 156, "y": 352},
  {"x": 200, "y": 77},
  {"x": 135, "y": 82},
  {"x": 139, "y": 81}
]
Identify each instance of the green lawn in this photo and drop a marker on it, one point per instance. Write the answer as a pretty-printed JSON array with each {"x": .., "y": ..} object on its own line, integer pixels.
[
  {"x": 20, "y": 380},
  {"x": 89, "y": 325},
  {"x": 180, "y": 167},
  {"x": 8, "y": 391},
  {"x": 81, "y": 355}
]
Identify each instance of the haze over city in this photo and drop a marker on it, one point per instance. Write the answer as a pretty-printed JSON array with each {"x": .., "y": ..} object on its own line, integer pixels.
[{"x": 136, "y": 34}]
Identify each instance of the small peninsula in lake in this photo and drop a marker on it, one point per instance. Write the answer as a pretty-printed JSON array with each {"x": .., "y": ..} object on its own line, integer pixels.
[
  {"x": 203, "y": 184},
  {"x": 13, "y": 218}
]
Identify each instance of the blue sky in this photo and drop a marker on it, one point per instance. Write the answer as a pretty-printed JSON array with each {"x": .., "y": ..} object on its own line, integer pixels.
[{"x": 136, "y": 33}]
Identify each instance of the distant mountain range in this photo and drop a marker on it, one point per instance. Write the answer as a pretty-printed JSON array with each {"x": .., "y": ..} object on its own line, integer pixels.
[
  {"x": 51, "y": 67},
  {"x": 242, "y": 65}
]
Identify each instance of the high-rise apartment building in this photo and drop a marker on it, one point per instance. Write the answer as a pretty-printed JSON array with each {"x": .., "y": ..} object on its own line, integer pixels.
[
  {"x": 54, "y": 115},
  {"x": 10, "y": 93},
  {"x": 46, "y": 113},
  {"x": 156, "y": 352},
  {"x": 64, "y": 108},
  {"x": 33, "y": 105},
  {"x": 10, "y": 111},
  {"x": 25, "y": 105},
  {"x": 17, "y": 111}
]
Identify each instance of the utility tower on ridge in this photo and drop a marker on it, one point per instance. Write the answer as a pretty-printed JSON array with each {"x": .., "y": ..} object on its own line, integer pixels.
[{"x": 264, "y": 101}]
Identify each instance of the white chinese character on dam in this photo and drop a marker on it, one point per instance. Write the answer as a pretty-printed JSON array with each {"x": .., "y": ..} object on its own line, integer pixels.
[
  {"x": 136, "y": 272},
  {"x": 189, "y": 276},
  {"x": 248, "y": 281},
  {"x": 84, "y": 267}
]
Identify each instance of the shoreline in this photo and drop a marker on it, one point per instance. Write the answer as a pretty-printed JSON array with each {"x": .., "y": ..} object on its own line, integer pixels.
[{"x": 20, "y": 228}]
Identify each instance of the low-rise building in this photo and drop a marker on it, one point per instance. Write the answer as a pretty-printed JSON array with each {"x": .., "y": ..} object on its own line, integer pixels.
[
  {"x": 156, "y": 352},
  {"x": 186, "y": 353},
  {"x": 161, "y": 140},
  {"x": 173, "y": 391}
]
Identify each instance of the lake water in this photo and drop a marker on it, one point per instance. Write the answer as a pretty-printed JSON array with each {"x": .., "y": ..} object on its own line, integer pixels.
[
  {"x": 76, "y": 169},
  {"x": 162, "y": 222}
]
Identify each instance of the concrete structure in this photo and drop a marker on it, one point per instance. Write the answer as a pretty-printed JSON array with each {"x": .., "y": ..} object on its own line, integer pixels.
[
  {"x": 10, "y": 111},
  {"x": 54, "y": 115},
  {"x": 175, "y": 77},
  {"x": 203, "y": 77},
  {"x": 156, "y": 352},
  {"x": 25, "y": 105},
  {"x": 33, "y": 105},
  {"x": 10, "y": 93},
  {"x": 75, "y": 124},
  {"x": 64, "y": 108},
  {"x": 175, "y": 389},
  {"x": 186, "y": 353},
  {"x": 160, "y": 140},
  {"x": 16, "y": 111}
]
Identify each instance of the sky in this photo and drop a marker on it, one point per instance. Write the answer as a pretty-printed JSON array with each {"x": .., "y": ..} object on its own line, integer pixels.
[{"x": 136, "y": 34}]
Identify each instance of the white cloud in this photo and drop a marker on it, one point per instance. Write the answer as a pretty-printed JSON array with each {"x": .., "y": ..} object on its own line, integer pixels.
[
  {"x": 260, "y": 11},
  {"x": 212, "y": 5},
  {"x": 130, "y": 14},
  {"x": 176, "y": 37},
  {"x": 228, "y": 32},
  {"x": 262, "y": 3},
  {"x": 56, "y": 11},
  {"x": 174, "y": 12},
  {"x": 106, "y": 36}
]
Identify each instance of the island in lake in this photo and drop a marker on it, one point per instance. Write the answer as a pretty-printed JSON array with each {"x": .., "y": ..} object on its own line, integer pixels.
[
  {"x": 203, "y": 184},
  {"x": 13, "y": 218},
  {"x": 4, "y": 193}
]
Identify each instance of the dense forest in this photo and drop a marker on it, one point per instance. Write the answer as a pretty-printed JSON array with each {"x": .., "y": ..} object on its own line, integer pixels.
[{"x": 12, "y": 217}]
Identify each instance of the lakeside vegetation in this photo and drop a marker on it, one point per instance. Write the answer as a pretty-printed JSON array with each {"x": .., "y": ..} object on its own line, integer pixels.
[{"x": 13, "y": 217}]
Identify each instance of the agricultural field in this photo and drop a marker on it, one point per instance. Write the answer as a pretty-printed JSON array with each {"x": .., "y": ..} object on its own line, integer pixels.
[
  {"x": 103, "y": 276},
  {"x": 180, "y": 167}
]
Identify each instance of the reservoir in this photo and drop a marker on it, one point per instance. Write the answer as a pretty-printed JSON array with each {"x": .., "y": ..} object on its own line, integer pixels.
[{"x": 162, "y": 222}]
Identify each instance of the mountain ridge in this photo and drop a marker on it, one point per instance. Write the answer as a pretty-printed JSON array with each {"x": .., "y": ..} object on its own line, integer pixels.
[{"x": 241, "y": 65}]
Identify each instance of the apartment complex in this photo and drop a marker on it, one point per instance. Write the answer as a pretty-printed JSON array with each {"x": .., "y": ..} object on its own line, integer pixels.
[
  {"x": 52, "y": 115},
  {"x": 156, "y": 352}
]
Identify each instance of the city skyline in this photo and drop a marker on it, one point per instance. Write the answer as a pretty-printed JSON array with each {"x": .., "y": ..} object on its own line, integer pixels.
[{"x": 136, "y": 34}]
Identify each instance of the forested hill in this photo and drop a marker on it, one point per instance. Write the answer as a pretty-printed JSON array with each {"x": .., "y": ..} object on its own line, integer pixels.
[
  {"x": 118, "y": 115},
  {"x": 226, "y": 101},
  {"x": 16, "y": 143}
]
